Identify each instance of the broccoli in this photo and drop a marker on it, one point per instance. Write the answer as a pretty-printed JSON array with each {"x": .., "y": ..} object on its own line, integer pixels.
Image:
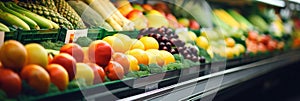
[
  {"x": 51, "y": 45},
  {"x": 136, "y": 74},
  {"x": 131, "y": 74},
  {"x": 173, "y": 66},
  {"x": 178, "y": 57},
  {"x": 155, "y": 68},
  {"x": 83, "y": 41},
  {"x": 144, "y": 67}
]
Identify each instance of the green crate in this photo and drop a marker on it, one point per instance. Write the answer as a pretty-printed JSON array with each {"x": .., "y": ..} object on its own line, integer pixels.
[
  {"x": 37, "y": 36},
  {"x": 12, "y": 35},
  {"x": 132, "y": 34},
  {"x": 94, "y": 34}
]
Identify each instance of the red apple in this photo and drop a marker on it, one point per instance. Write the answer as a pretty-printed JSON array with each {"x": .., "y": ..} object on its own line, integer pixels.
[
  {"x": 74, "y": 50},
  {"x": 161, "y": 6},
  {"x": 194, "y": 25},
  {"x": 261, "y": 47},
  {"x": 100, "y": 52},
  {"x": 252, "y": 35},
  {"x": 134, "y": 14},
  {"x": 264, "y": 39},
  {"x": 147, "y": 7},
  {"x": 272, "y": 45},
  {"x": 68, "y": 62},
  {"x": 10, "y": 82},
  {"x": 99, "y": 74}
]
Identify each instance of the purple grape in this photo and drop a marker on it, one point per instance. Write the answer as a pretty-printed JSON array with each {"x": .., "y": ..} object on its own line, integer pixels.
[
  {"x": 164, "y": 39},
  {"x": 165, "y": 48},
  {"x": 194, "y": 58},
  {"x": 202, "y": 59},
  {"x": 151, "y": 34},
  {"x": 173, "y": 51},
  {"x": 188, "y": 56},
  {"x": 168, "y": 44}
]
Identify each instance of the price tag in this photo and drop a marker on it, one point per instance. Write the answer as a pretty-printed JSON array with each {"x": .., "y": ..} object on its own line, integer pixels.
[
  {"x": 73, "y": 35},
  {"x": 151, "y": 87},
  {"x": 2, "y": 34}
]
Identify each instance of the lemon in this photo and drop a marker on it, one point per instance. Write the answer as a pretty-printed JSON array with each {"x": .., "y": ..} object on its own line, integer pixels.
[
  {"x": 116, "y": 44},
  {"x": 202, "y": 42},
  {"x": 133, "y": 66},
  {"x": 140, "y": 55},
  {"x": 241, "y": 48},
  {"x": 230, "y": 42},
  {"x": 192, "y": 35},
  {"x": 210, "y": 52},
  {"x": 126, "y": 40},
  {"x": 167, "y": 56},
  {"x": 230, "y": 52},
  {"x": 149, "y": 43},
  {"x": 136, "y": 44}
]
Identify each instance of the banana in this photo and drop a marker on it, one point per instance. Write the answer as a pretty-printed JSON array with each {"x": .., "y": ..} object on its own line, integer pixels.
[
  {"x": 55, "y": 26},
  {"x": 4, "y": 28},
  {"x": 41, "y": 21},
  {"x": 13, "y": 20},
  {"x": 30, "y": 22}
]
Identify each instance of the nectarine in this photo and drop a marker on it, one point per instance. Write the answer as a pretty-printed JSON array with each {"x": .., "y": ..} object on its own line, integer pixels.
[{"x": 68, "y": 62}]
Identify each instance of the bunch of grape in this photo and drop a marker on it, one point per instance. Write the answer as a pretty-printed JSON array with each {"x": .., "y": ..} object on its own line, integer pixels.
[{"x": 169, "y": 41}]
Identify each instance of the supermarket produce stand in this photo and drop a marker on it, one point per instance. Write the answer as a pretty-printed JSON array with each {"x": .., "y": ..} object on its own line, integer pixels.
[{"x": 189, "y": 83}]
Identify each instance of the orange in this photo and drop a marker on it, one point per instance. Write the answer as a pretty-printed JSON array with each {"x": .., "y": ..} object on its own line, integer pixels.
[
  {"x": 229, "y": 42},
  {"x": 167, "y": 56},
  {"x": 133, "y": 63},
  {"x": 149, "y": 43},
  {"x": 36, "y": 77},
  {"x": 140, "y": 55},
  {"x": 116, "y": 44},
  {"x": 136, "y": 44},
  {"x": 59, "y": 76},
  {"x": 13, "y": 55}
]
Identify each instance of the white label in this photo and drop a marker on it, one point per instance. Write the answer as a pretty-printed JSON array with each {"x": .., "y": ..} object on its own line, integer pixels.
[
  {"x": 151, "y": 87},
  {"x": 1, "y": 38},
  {"x": 73, "y": 35}
]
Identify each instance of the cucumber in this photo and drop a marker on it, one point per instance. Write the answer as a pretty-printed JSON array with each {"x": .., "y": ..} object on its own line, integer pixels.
[
  {"x": 13, "y": 20},
  {"x": 41, "y": 21},
  {"x": 30, "y": 22},
  {"x": 4, "y": 28}
]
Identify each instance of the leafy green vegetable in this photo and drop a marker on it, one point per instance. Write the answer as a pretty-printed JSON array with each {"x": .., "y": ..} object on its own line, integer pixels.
[
  {"x": 51, "y": 45},
  {"x": 173, "y": 66},
  {"x": 136, "y": 74},
  {"x": 178, "y": 57},
  {"x": 155, "y": 68},
  {"x": 203, "y": 52},
  {"x": 144, "y": 67},
  {"x": 84, "y": 41}
]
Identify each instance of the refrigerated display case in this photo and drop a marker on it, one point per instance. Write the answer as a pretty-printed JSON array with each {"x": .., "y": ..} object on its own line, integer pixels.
[{"x": 224, "y": 74}]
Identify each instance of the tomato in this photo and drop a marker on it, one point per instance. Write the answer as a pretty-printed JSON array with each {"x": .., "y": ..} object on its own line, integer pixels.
[
  {"x": 114, "y": 71},
  {"x": 10, "y": 82},
  {"x": 272, "y": 45},
  {"x": 99, "y": 74}
]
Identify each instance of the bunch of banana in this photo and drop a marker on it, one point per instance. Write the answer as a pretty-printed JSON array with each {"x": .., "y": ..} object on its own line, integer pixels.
[
  {"x": 4, "y": 28},
  {"x": 68, "y": 12},
  {"x": 47, "y": 13}
]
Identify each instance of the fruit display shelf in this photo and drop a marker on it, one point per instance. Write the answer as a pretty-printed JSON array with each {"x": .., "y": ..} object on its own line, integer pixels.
[{"x": 131, "y": 87}]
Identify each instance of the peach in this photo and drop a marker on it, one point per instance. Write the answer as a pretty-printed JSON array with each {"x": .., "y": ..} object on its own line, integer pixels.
[
  {"x": 99, "y": 74},
  {"x": 74, "y": 50},
  {"x": 59, "y": 76},
  {"x": 123, "y": 60},
  {"x": 100, "y": 52}
]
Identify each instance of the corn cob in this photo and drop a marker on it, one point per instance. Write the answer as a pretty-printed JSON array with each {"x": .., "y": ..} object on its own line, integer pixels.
[{"x": 47, "y": 13}]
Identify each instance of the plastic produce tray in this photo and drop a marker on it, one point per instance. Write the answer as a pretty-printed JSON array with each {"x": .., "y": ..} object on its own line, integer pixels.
[
  {"x": 12, "y": 35},
  {"x": 132, "y": 34},
  {"x": 36, "y": 36}
]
